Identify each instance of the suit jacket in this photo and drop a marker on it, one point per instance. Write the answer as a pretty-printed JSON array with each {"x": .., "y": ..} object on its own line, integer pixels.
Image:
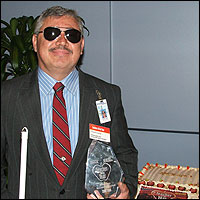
[{"x": 20, "y": 107}]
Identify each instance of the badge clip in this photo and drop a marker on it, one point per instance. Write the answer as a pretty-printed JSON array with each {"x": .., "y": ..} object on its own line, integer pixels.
[{"x": 99, "y": 95}]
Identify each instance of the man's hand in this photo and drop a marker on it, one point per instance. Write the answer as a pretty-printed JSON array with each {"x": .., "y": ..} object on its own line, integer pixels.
[
  {"x": 92, "y": 196},
  {"x": 124, "y": 194}
]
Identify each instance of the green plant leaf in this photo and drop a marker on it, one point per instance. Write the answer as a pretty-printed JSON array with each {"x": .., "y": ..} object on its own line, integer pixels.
[
  {"x": 5, "y": 45},
  {"x": 13, "y": 25},
  {"x": 6, "y": 56},
  {"x": 30, "y": 22},
  {"x": 15, "y": 58},
  {"x": 4, "y": 36},
  {"x": 7, "y": 31},
  {"x": 4, "y": 62},
  {"x": 28, "y": 37},
  {"x": 32, "y": 59},
  {"x": 19, "y": 42},
  {"x": 16, "y": 47},
  {"x": 4, "y": 73},
  {"x": 5, "y": 23},
  {"x": 3, "y": 51},
  {"x": 22, "y": 28}
]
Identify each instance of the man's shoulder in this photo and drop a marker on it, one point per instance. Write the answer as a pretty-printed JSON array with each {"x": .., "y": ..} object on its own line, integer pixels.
[
  {"x": 14, "y": 85},
  {"x": 19, "y": 80},
  {"x": 96, "y": 81}
]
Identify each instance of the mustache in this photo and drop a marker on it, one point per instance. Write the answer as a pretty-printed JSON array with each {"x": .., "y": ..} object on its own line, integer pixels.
[{"x": 61, "y": 47}]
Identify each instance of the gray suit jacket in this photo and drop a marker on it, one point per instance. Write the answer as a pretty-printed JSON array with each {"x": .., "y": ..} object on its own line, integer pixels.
[{"x": 20, "y": 107}]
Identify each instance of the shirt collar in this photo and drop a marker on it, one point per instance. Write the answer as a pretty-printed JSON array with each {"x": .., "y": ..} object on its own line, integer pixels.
[{"x": 46, "y": 82}]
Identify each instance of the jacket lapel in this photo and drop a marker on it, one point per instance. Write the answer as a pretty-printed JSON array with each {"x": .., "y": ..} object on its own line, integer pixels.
[
  {"x": 86, "y": 115},
  {"x": 29, "y": 103}
]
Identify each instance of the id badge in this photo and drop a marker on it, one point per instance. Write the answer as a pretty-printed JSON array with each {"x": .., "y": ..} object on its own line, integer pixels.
[{"x": 103, "y": 112}]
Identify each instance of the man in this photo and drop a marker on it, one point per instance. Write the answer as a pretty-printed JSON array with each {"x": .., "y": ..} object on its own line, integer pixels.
[{"x": 27, "y": 101}]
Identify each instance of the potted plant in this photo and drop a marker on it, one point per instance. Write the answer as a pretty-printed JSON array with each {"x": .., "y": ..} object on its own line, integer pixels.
[{"x": 17, "y": 54}]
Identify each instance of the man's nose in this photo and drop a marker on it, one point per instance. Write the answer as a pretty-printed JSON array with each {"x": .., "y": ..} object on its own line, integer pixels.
[{"x": 61, "y": 39}]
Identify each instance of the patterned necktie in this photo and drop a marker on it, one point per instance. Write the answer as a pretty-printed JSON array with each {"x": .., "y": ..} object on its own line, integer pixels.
[{"x": 61, "y": 141}]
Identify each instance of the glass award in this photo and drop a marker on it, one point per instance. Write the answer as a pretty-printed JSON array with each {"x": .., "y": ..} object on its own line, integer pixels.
[{"x": 103, "y": 171}]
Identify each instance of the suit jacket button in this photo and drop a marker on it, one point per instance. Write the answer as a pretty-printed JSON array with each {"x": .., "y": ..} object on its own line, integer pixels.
[{"x": 62, "y": 191}]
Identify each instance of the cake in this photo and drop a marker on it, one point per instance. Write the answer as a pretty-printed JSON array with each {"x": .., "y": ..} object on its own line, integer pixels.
[{"x": 168, "y": 182}]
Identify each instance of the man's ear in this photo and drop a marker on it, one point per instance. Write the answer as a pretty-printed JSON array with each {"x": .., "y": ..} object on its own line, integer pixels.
[
  {"x": 82, "y": 45},
  {"x": 34, "y": 41}
]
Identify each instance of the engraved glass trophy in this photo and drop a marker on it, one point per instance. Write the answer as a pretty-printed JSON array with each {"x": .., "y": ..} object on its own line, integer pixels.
[{"x": 103, "y": 170}]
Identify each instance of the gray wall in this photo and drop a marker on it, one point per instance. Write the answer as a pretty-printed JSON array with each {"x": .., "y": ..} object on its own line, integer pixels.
[{"x": 151, "y": 50}]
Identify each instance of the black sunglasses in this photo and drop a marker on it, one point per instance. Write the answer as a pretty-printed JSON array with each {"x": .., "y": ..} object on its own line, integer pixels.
[{"x": 51, "y": 33}]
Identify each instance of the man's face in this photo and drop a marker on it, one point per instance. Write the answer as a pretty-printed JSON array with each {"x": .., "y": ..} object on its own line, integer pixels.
[{"x": 59, "y": 55}]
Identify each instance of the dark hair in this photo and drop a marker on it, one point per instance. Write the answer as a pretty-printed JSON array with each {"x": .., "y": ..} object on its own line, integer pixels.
[{"x": 60, "y": 11}]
